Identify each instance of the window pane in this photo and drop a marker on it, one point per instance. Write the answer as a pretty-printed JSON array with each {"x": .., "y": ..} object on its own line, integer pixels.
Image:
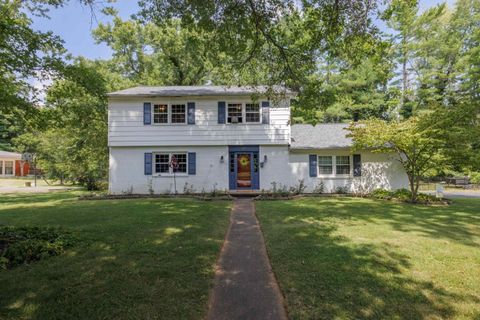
[
  {"x": 325, "y": 160},
  {"x": 343, "y": 169},
  {"x": 343, "y": 160},
  {"x": 182, "y": 162},
  {"x": 160, "y": 113},
  {"x": 325, "y": 170},
  {"x": 255, "y": 162},
  {"x": 1, "y": 167},
  {"x": 161, "y": 163},
  {"x": 232, "y": 162},
  {"x": 8, "y": 167},
  {"x": 178, "y": 113},
  {"x": 235, "y": 111},
  {"x": 252, "y": 112},
  {"x": 343, "y": 165},
  {"x": 252, "y": 107}
]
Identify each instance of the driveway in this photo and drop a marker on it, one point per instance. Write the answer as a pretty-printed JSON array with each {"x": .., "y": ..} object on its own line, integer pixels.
[{"x": 458, "y": 194}]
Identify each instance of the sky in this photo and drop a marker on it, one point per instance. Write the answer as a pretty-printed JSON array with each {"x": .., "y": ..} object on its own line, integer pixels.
[{"x": 74, "y": 24}]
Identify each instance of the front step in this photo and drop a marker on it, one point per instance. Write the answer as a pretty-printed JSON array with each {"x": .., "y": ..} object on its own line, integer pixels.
[{"x": 244, "y": 193}]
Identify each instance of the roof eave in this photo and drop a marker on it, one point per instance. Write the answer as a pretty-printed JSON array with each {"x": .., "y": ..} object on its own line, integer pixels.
[{"x": 320, "y": 148}]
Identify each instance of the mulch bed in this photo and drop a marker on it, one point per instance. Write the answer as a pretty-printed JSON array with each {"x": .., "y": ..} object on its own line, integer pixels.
[{"x": 154, "y": 196}]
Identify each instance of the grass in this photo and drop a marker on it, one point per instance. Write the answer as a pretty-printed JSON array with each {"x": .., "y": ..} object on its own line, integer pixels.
[
  {"x": 134, "y": 259},
  {"x": 351, "y": 258}
]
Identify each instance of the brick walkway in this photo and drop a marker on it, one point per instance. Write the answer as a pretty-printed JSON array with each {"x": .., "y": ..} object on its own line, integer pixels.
[{"x": 245, "y": 287}]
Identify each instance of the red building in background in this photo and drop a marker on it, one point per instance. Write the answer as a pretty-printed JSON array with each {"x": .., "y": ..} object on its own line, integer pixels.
[{"x": 12, "y": 165}]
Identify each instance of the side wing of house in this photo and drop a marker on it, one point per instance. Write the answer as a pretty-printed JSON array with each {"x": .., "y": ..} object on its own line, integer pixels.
[{"x": 321, "y": 156}]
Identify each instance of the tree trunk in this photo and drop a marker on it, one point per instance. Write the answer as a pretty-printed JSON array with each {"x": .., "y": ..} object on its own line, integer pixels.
[
  {"x": 417, "y": 184},
  {"x": 404, "y": 76},
  {"x": 411, "y": 180}
]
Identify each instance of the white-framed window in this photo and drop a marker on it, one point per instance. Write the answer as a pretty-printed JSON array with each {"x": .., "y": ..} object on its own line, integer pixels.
[
  {"x": 162, "y": 161},
  {"x": 1, "y": 167},
  {"x": 334, "y": 166},
  {"x": 169, "y": 113},
  {"x": 325, "y": 165},
  {"x": 243, "y": 112},
  {"x": 252, "y": 112},
  {"x": 179, "y": 113},
  {"x": 160, "y": 113},
  {"x": 235, "y": 113},
  {"x": 8, "y": 167},
  {"x": 342, "y": 164}
]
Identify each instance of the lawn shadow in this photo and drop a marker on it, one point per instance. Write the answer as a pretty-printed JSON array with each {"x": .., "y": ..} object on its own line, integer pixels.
[
  {"x": 328, "y": 276},
  {"x": 135, "y": 259},
  {"x": 457, "y": 222}
]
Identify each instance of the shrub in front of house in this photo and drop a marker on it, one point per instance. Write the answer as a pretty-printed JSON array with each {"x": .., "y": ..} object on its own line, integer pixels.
[
  {"x": 403, "y": 195},
  {"x": 24, "y": 245}
]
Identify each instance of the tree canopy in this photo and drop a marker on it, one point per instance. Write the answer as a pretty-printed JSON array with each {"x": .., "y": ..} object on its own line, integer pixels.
[{"x": 425, "y": 66}]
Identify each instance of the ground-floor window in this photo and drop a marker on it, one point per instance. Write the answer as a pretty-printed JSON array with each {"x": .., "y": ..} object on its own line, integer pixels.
[
  {"x": 342, "y": 165},
  {"x": 325, "y": 164},
  {"x": 334, "y": 165},
  {"x": 8, "y": 167},
  {"x": 164, "y": 163},
  {"x": 1, "y": 167}
]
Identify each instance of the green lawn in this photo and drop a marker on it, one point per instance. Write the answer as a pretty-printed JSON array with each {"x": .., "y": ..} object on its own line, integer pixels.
[
  {"x": 136, "y": 259},
  {"x": 351, "y": 258}
]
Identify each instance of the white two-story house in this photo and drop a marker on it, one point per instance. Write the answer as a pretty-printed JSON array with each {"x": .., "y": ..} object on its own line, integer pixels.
[{"x": 204, "y": 138}]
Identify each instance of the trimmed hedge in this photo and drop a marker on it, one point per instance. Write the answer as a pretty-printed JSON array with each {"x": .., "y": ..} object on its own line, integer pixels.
[{"x": 23, "y": 245}]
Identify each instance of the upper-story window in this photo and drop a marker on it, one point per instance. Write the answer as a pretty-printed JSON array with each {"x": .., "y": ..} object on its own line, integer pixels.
[
  {"x": 160, "y": 113},
  {"x": 169, "y": 113},
  {"x": 235, "y": 113},
  {"x": 252, "y": 112},
  {"x": 243, "y": 113},
  {"x": 178, "y": 113}
]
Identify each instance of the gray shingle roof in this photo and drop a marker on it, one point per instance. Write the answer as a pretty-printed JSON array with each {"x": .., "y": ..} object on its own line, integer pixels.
[
  {"x": 176, "y": 91},
  {"x": 321, "y": 136}
]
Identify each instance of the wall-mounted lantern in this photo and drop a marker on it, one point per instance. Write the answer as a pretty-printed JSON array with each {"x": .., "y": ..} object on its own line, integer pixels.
[
  {"x": 222, "y": 159},
  {"x": 265, "y": 158}
]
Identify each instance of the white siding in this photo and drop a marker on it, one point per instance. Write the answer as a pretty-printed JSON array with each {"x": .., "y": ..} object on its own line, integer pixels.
[
  {"x": 126, "y": 128},
  {"x": 127, "y": 170},
  {"x": 287, "y": 168},
  {"x": 282, "y": 167}
]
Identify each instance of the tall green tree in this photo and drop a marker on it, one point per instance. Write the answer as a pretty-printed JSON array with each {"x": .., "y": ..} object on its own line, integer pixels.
[
  {"x": 401, "y": 17},
  {"x": 287, "y": 37},
  {"x": 26, "y": 56},
  {"x": 72, "y": 144}
]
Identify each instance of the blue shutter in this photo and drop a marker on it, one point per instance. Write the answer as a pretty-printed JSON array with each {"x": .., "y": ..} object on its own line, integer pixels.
[
  {"x": 147, "y": 113},
  {"x": 191, "y": 112},
  {"x": 265, "y": 112},
  {"x": 192, "y": 163},
  {"x": 313, "y": 165},
  {"x": 357, "y": 165},
  {"x": 221, "y": 112},
  {"x": 148, "y": 164}
]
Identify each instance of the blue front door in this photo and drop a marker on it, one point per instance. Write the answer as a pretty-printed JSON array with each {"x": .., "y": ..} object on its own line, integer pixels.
[{"x": 244, "y": 168}]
